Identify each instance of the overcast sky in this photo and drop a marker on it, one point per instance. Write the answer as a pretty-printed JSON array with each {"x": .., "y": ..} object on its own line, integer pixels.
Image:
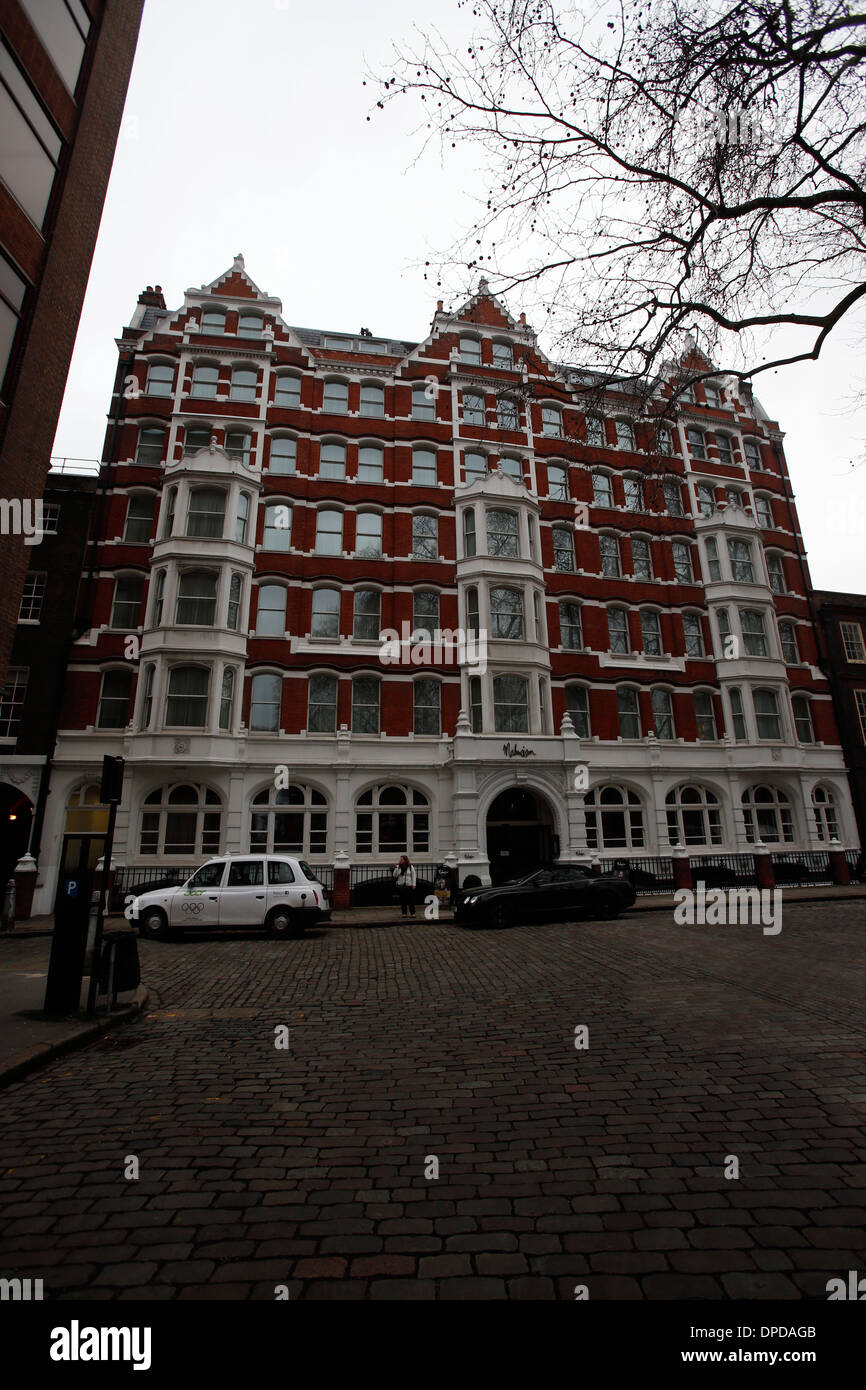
[{"x": 246, "y": 130}]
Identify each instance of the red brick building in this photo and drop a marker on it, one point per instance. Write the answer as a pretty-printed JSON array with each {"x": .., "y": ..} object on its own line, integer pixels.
[
  {"x": 64, "y": 71},
  {"x": 625, "y": 573}
]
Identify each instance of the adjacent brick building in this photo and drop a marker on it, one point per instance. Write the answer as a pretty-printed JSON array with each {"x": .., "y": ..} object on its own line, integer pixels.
[
  {"x": 842, "y": 639},
  {"x": 279, "y": 501},
  {"x": 64, "y": 71}
]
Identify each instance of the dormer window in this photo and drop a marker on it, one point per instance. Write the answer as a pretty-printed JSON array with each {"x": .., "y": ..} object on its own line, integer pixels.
[
  {"x": 503, "y": 356},
  {"x": 470, "y": 351}
]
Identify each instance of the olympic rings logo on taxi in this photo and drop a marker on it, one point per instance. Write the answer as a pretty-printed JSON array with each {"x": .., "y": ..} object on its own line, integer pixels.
[{"x": 194, "y": 908}]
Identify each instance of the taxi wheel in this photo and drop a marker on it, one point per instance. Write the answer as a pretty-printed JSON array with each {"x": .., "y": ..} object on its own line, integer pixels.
[
  {"x": 154, "y": 924},
  {"x": 282, "y": 923}
]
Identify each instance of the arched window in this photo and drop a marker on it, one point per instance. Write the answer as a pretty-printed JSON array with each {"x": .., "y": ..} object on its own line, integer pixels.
[
  {"x": 551, "y": 421},
  {"x": 650, "y": 629},
  {"x": 139, "y": 518},
  {"x": 213, "y": 321},
  {"x": 160, "y": 379},
  {"x": 595, "y": 434},
  {"x": 425, "y": 537},
  {"x": 250, "y": 326},
  {"x": 186, "y": 702},
  {"x": 502, "y": 536},
  {"x": 824, "y": 811},
  {"x": 503, "y": 356},
  {"x": 372, "y": 398},
  {"x": 706, "y": 496},
  {"x": 614, "y": 819},
  {"x": 611, "y": 561},
  {"x": 673, "y": 497},
  {"x": 694, "y": 816},
  {"x": 233, "y": 614},
  {"x": 227, "y": 698},
  {"x": 196, "y": 598},
  {"x": 242, "y": 518},
  {"x": 277, "y": 533},
  {"x": 469, "y": 532},
  {"x": 332, "y": 461},
  {"x": 602, "y": 490},
  {"x": 617, "y": 626},
  {"x": 767, "y": 713},
  {"x": 577, "y": 705},
  {"x": 366, "y": 693},
  {"x": 571, "y": 636},
  {"x": 158, "y": 596},
  {"x": 114, "y": 699},
  {"x": 151, "y": 446},
  {"x": 271, "y": 612},
  {"x": 244, "y": 381},
  {"x": 265, "y": 697},
  {"x": 629, "y": 712},
  {"x": 557, "y": 482},
  {"x": 427, "y": 706},
  {"x": 423, "y": 402},
  {"x": 371, "y": 463},
  {"x": 392, "y": 820},
  {"x": 788, "y": 639},
  {"x": 126, "y": 609},
  {"x": 513, "y": 468},
  {"x": 697, "y": 444},
  {"x": 239, "y": 445},
  {"x": 206, "y": 513},
  {"x": 767, "y": 815},
  {"x": 368, "y": 535},
  {"x": 322, "y": 707},
  {"x": 474, "y": 466},
  {"x": 663, "y": 713},
  {"x": 425, "y": 611},
  {"x": 470, "y": 350},
  {"x": 634, "y": 494},
  {"x": 181, "y": 821},
  {"x": 287, "y": 391},
  {"x": 473, "y": 408},
  {"x": 563, "y": 549},
  {"x": 507, "y": 413},
  {"x": 293, "y": 820},
  {"x": 624, "y": 435},
  {"x": 424, "y": 469},
  {"x": 336, "y": 398},
  {"x": 326, "y": 613},
  {"x": 724, "y": 444},
  {"x": 205, "y": 380},
  {"x": 506, "y": 614},
  {"x": 170, "y": 506},
  {"x": 329, "y": 531},
  {"x": 195, "y": 438},
  {"x": 367, "y": 617}
]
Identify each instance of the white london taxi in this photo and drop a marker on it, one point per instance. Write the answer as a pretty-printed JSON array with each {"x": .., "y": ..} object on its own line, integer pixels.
[{"x": 273, "y": 891}]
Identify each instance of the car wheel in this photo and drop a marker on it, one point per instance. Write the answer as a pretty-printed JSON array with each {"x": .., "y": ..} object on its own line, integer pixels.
[
  {"x": 281, "y": 923},
  {"x": 153, "y": 924},
  {"x": 607, "y": 906},
  {"x": 499, "y": 916}
]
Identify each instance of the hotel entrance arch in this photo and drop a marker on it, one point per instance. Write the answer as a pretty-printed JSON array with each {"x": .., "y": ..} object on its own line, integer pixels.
[
  {"x": 16, "y": 818},
  {"x": 520, "y": 834}
]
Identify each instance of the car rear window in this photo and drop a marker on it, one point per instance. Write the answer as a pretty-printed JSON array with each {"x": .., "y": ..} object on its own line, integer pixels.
[
  {"x": 307, "y": 871},
  {"x": 280, "y": 873}
]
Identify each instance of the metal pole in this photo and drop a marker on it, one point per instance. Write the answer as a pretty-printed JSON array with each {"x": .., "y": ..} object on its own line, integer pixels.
[{"x": 100, "y": 916}]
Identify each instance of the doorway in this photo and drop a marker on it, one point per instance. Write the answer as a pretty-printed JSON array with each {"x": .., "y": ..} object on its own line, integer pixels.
[
  {"x": 520, "y": 834},
  {"x": 16, "y": 818}
]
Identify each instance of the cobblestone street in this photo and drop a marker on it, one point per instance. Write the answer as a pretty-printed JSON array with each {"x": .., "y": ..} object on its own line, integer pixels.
[{"x": 558, "y": 1166}]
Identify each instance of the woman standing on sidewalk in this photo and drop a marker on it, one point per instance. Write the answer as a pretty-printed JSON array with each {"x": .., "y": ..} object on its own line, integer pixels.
[{"x": 406, "y": 879}]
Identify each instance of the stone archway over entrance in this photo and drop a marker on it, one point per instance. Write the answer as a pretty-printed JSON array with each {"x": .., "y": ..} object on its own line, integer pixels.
[
  {"x": 519, "y": 834},
  {"x": 16, "y": 818}
]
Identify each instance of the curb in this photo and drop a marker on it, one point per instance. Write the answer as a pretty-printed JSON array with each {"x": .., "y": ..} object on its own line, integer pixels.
[{"x": 36, "y": 1057}]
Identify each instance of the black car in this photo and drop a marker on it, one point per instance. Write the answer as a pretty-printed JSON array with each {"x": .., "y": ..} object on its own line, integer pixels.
[{"x": 546, "y": 895}]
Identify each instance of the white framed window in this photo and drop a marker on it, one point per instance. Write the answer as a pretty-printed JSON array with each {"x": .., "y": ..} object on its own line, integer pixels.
[
  {"x": 725, "y": 446},
  {"x": 713, "y": 395},
  {"x": 557, "y": 482},
  {"x": 50, "y": 518},
  {"x": 570, "y": 628},
  {"x": 595, "y": 431},
  {"x": 196, "y": 598},
  {"x": 366, "y": 695},
  {"x": 673, "y": 497},
  {"x": 754, "y": 631},
  {"x": 852, "y": 641},
  {"x": 114, "y": 700},
  {"x": 502, "y": 533},
  {"x": 424, "y": 470},
  {"x": 614, "y": 818},
  {"x": 368, "y": 535},
  {"x": 767, "y": 815},
  {"x": 139, "y": 519},
  {"x": 641, "y": 555},
  {"x": 694, "y": 816},
  {"x": 503, "y": 356},
  {"x": 32, "y": 597},
  {"x": 367, "y": 615},
  {"x": 469, "y": 532},
  {"x": 284, "y": 454},
  {"x": 705, "y": 716},
  {"x": 706, "y": 498},
  {"x": 329, "y": 531},
  {"x": 802, "y": 707},
  {"x": 371, "y": 463},
  {"x": 563, "y": 549},
  {"x": 244, "y": 382},
  {"x": 213, "y": 321},
  {"x": 372, "y": 398},
  {"x": 147, "y": 696},
  {"x": 753, "y": 453},
  {"x": 602, "y": 490},
  {"x": 325, "y": 619},
  {"x": 336, "y": 397},
  {"x": 551, "y": 421},
  {"x": 126, "y": 608},
  {"x": 392, "y": 820},
  {"x": 628, "y": 711},
  {"x": 634, "y": 494},
  {"x": 150, "y": 449},
  {"x": 474, "y": 412},
  {"x": 472, "y": 611},
  {"x": 332, "y": 461},
  {"x": 322, "y": 704},
  {"x": 507, "y": 413},
  {"x": 12, "y": 700},
  {"x": 860, "y": 707},
  {"x": 617, "y": 626},
  {"x": 693, "y": 632},
  {"x": 512, "y": 467},
  {"x": 271, "y": 612},
  {"x": 506, "y": 614},
  {"x": 714, "y": 567},
  {"x": 664, "y": 440},
  {"x": 287, "y": 391},
  {"x": 611, "y": 566},
  {"x": 766, "y": 704},
  {"x": 682, "y": 553},
  {"x": 291, "y": 820},
  {"x": 474, "y": 466},
  {"x": 206, "y": 512},
  {"x": 186, "y": 699},
  {"x": 738, "y": 714},
  {"x": 233, "y": 610},
  {"x": 160, "y": 379},
  {"x": 425, "y": 537},
  {"x": 250, "y": 326},
  {"x": 205, "y": 381},
  {"x": 577, "y": 705},
  {"x": 181, "y": 822},
  {"x": 427, "y": 706},
  {"x": 824, "y": 811},
  {"x": 510, "y": 704},
  {"x": 423, "y": 402},
  {"x": 624, "y": 435},
  {"x": 742, "y": 567},
  {"x": 663, "y": 713},
  {"x": 425, "y": 611},
  {"x": 242, "y": 518},
  {"x": 266, "y": 690},
  {"x": 763, "y": 511},
  {"x": 788, "y": 640},
  {"x": 650, "y": 630},
  {"x": 195, "y": 438},
  {"x": 697, "y": 443},
  {"x": 776, "y": 572},
  {"x": 239, "y": 445},
  {"x": 277, "y": 531},
  {"x": 227, "y": 698},
  {"x": 470, "y": 351}
]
